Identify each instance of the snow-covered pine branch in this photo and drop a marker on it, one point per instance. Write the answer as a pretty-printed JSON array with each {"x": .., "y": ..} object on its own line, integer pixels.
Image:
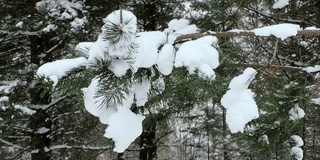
[{"x": 275, "y": 30}]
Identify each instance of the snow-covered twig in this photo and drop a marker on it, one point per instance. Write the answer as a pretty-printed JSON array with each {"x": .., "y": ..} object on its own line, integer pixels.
[
  {"x": 10, "y": 144},
  {"x": 310, "y": 33}
]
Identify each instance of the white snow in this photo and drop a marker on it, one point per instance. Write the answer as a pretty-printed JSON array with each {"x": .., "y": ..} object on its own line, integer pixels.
[
  {"x": 19, "y": 24},
  {"x": 50, "y": 28},
  {"x": 196, "y": 53},
  {"x": 281, "y": 31},
  {"x": 141, "y": 91},
  {"x": 25, "y": 110},
  {"x": 98, "y": 51},
  {"x": 297, "y": 152},
  {"x": 57, "y": 69},
  {"x": 4, "y": 99},
  {"x": 297, "y": 140},
  {"x": 239, "y": 102},
  {"x": 165, "y": 59},
  {"x": 84, "y": 47},
  {"x": 92, "y": 103},
  {"x": 296, "y": 113},
  {"x": 43, "y": 130},
  {"x": 310, "y": 69},
  {"x": 177, "y": 24},
  {"x": 126, "y": 22},
  {"x": 280, "y": 4},
  {"x": 8, "y": 86},
  {"x": 124, "y": 128},
  {"x": 78, "y": 23},
  {"x": 148, "y": 48},
  {"x": 316, "y": 100},
  {"x": 312, "y": 28}
]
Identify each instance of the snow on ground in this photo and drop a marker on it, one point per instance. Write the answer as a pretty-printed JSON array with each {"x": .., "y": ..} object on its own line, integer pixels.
[
  {"x": 281, "y": 31},
  {"x": 280, "y": 4},
  {"x": 57, "y": 69},
  {"x": 239, "y": 102},
  {"x": 296, "y": 113}
]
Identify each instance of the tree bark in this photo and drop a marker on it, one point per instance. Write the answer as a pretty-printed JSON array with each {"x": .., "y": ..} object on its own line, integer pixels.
[{"x": 147, "y": 144}]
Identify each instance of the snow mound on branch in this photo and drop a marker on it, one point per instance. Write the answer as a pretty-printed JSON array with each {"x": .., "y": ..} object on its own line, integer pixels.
[
  {"x": 280, "y": 4},
  {"x": 281, "y": 31},
  {"x": 57, "y": 69},
  {"x": 176, "y": 24},
  {"x": 316, "y": 68},
  {"x": 128, "y": 23},
  {"x": 297, "y": 152},
  {"x": 141, "y": 91},
  {"x": 196, "y": 53},
  {"x": 165, "y": 59},
  {"x": 124, "y": 128},
  {"x": 239, "y": 102},
  {"x": 92, "y": 103},
  {"x": 297, "y": 140},
  {"x": 296, "y": 113},
  {"x": 84, "y": 47},
  {"x": 149, "y": 43}
]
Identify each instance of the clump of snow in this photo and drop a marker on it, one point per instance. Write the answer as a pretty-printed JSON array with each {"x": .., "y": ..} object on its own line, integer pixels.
[
  {"x": 312, "y": 28},
  {"x": 296, "y": 113},
  {"x": 126, "y": 22},
  {"x": 297, "y": 152},
  {"x": 78, "y": 23},
  {"x": 55, "y": 8},
  {"x": 239, "y": 102},
  {"x": 198, "y": 55},
  {"x": 25, "y": 110},
  {"x": 57, "y": 69},
  {"x": 176, "y": 24},
  {"x": 4, "y": 99},
  {"x": 148, "y": 48},
  {"x": 280, "y": 4},
  {"x": 165, "y": 59},
  {"x": 84, "y": 47},
  {"x": 50, "y": 28},
  {"x": 316, "y": 100},
  {"x": 43, "y": 130},
  {"x": 124, "y": 128},
  {"x": 179, "y": 27},
  {"x": 310, "y": 69},
  {"x": 281, "y": 31},
  {"x": 141, "y": 91},
  {"x": 8, "y": 86},
  {"x": 19, "y": 24},
  {"x": 297, "y": 140}
]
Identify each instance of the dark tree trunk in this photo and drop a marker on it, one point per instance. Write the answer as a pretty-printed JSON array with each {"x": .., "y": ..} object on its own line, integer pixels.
[
  {"x": 147, "y": 143},
  {"x": 40, "y": 122}
]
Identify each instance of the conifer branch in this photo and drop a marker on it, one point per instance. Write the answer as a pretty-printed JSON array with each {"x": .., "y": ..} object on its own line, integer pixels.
[{"x": 308, "y": 33}]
